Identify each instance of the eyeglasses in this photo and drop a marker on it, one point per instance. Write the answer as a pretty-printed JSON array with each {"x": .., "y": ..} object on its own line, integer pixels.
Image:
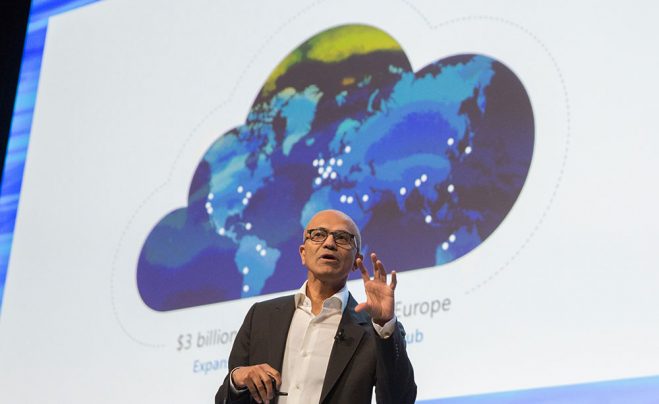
[{"x": 341, "y": 237}]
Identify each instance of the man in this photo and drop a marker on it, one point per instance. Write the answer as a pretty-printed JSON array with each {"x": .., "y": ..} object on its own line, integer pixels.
[{"x": 320, "y": 346}]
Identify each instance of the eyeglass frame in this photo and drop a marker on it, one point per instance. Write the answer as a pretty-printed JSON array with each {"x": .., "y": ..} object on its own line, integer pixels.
[{"x": 351, "y": 243}]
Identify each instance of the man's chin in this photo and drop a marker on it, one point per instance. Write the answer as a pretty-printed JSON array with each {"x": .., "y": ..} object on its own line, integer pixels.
[
  {"x": 329, "y": 263},
  {"x": 331, "y": 273}
]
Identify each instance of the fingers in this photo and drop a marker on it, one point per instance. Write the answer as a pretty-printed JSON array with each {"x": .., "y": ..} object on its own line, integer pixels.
[
  {"x": 374, "y": 261},
  {"x": 274, "y": 374},
  {"x": 259, "y": 381},
  {"x": 362, "y": 269},
  {"x": 258, "y": 387},
  {"x": 379, "y": 274}
]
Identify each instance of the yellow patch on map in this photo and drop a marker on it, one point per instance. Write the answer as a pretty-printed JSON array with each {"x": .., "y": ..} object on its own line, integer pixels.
[{"x": 334, "y": 45}]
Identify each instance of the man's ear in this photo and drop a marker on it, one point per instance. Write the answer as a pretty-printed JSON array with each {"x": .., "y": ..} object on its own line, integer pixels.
[{"x": 302, "y": 254}]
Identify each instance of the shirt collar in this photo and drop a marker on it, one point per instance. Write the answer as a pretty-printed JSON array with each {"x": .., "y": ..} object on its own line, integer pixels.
[{"x": 341, "y": 296}]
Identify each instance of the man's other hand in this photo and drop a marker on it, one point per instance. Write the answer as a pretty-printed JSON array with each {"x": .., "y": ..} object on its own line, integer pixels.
[
  {"x": 379, "y": 296},
  {"x": 261, "y": 380}
]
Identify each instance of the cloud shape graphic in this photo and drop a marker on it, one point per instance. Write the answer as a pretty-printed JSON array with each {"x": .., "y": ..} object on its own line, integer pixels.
[{"x": 428, "y": 164}]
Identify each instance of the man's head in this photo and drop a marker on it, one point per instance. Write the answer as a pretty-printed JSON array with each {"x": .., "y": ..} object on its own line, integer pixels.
[{"x": 330, "y": 246}]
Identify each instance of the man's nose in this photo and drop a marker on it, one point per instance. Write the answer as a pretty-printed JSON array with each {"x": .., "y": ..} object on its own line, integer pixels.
[{"x": 330, "y": 243}]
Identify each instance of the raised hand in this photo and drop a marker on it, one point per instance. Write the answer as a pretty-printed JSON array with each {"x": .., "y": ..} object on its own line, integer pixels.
[
  {"x": 379, "y": 295},
  {"x": 259, "y": 380}
]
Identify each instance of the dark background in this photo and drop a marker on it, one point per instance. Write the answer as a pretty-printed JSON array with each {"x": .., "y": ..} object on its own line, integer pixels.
[{"x": 13, "y": 25}]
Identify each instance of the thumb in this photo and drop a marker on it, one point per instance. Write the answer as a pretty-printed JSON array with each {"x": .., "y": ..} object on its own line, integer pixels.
[{"x": 361, "y": 307}]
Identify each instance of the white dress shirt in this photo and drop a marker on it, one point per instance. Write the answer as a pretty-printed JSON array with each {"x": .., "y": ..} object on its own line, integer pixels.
[
  {"x": 308, "y": 347},
  {"x": 309, "y": 344}
]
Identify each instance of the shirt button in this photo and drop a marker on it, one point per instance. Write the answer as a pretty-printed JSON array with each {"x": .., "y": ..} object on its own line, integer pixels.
[{"x": 297, "y": 386}]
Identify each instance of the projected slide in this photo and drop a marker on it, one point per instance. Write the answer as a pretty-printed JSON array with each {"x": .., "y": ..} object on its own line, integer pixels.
[
  {"x": 164, "y": 158},
  {"x": 428, "y": 163}
]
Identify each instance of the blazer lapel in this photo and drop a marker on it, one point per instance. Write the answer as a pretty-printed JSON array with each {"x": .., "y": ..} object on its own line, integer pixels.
[
  {"x": 345, "y": 348},
  {"x": 278, "y": 326}
]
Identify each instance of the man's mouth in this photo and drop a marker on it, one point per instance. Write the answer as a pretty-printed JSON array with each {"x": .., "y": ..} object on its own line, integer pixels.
[{"x": 328, "y": 257}]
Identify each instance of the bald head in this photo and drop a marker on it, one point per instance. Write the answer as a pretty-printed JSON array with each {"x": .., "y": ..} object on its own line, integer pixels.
[{"x": 337, "y": 218}]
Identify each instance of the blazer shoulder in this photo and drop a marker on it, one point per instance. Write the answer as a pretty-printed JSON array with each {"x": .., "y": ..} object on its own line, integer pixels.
[{"x": 276, "y": 303}]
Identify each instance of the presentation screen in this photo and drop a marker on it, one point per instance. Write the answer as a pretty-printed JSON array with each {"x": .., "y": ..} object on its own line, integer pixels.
[{"x": 164, "y": 159}]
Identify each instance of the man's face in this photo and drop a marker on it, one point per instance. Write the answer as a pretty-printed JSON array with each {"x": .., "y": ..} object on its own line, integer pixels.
[{"x": 328, "y": 261}]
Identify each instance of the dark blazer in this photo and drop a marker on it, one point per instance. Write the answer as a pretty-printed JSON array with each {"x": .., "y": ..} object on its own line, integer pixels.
[{"x": 359, "y": 359}]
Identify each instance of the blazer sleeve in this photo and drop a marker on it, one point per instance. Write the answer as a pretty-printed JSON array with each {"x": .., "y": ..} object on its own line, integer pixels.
[
  {"x": 239, "y": 356},
  {"x": 394, "y": 382}
]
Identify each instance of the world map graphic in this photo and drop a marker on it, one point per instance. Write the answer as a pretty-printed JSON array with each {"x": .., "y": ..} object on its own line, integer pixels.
[{"x": 427, "y": 163}]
